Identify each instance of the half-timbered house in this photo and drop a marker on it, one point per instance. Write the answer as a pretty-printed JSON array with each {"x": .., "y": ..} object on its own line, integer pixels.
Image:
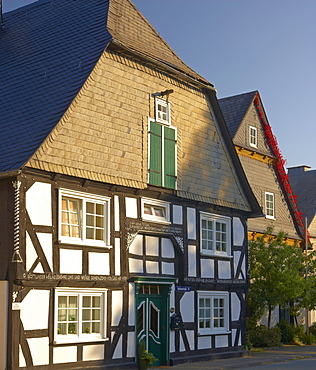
[
  {"x": 263, "y": 164},
  {"x": 122, "y": 199}
]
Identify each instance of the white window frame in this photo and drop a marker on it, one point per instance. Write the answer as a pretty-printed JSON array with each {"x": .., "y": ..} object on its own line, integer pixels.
[
  {"x": 212, "y": 295},
  {"x": 253, "y": 137},
  {"x": 155, "y": 203},
  {"x": 158, "y": 117},
  {"x": 266, "y": 205},
  {"x": 216, "y": 218},
  {"x": 81, "y": 337},
  {"x": 84, "y": 198}
]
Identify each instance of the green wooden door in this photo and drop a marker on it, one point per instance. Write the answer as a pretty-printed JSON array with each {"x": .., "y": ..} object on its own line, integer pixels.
[{"x": 152, "y": 321}]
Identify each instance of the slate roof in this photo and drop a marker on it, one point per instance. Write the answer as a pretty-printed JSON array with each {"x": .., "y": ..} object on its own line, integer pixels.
[
  {"x": 303, "y": 184},
  {"x": 234, "y": 109},
  {"x": 47, "y": 51}
]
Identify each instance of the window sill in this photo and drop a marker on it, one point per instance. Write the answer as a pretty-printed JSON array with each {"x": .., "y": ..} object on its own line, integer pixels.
[
  {"x": 83, "y": 243},
  {"x": 214, "y": 333},
  {"x": 207, "y": 254},
  {"x": 79, "y": 340},
  {"x": 165, "y": 222}
]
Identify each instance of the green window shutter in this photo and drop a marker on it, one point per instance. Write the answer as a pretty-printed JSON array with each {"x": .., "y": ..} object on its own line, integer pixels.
[
  {"x": 155, "y": 154},
  {"x": 169, "y": 158}
]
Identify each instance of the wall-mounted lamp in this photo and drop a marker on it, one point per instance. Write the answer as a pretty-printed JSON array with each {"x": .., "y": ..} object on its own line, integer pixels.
[{"x": 163, "y": 93}]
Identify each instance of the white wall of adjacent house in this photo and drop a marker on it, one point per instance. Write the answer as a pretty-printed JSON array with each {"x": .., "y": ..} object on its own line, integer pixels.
[{"x": 4, "y": 289}]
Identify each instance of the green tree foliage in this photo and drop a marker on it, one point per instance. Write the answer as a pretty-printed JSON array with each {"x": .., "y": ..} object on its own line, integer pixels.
[{"x": 278, "y": 276}]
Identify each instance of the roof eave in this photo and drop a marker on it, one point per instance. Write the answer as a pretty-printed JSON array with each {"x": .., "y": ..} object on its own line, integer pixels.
[{"x": 119, "y": 46}]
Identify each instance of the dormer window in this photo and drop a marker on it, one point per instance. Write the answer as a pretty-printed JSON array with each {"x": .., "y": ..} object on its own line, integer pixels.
[
  {"x": 253, "y": 137},
  {"x": 162, "y": 111}
]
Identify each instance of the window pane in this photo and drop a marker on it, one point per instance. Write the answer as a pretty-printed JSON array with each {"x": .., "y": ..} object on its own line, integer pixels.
[
  {"x": 147, "y": 210},
  {"x": 96, "y": 314},
  {"x": 62, "y": 315},
  {"x": 96, "y": 327},
  {"x": 73, "y": 301},
  {"x": 62, "y": 329},
  {"x": 86, "y": 315},
  {"x": 86, "y": 301},
  {"x": 96, "y": 302},
  {"x": 99, "y": 234},
  {"x": 159, "y": 212},
  {"x": 90, "y": 220},
  {"x": 62, "y": 301},
  {"x": 86, "y": 328},
  {"x": 90, "y": 207},
  {"x": 70, "y": 217},
  {"x": 72, "y": 328}
]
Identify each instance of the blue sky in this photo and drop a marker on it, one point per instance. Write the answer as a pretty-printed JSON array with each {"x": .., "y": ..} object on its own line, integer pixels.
[{"x": 246, "y": 45}]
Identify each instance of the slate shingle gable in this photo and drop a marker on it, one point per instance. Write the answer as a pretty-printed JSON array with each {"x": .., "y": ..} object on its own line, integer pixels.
[{"x": 42, "y": 72}]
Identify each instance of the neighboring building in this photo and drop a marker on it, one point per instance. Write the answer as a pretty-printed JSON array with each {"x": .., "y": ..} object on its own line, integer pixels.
[
  {"x": 263, "y": 164},
  {"x": 303, "y": 183},
  {"x": 121, "y": 195}
]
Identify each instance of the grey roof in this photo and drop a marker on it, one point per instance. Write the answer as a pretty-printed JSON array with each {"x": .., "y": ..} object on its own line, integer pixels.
[
  {"x": 234, "y": 109},
  {"x": 47, "y": 51},
  {"x": 303, "y": 184}
]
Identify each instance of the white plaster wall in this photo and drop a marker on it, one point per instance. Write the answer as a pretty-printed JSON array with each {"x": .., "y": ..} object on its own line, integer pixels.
[
  {"x": 137, "y": 245},
  {"x": 190, "y": 337},
  {"x": 221, "y": 341},
  {"x": 131, "y": 207},
  {"x": 172, "y": 341},
  {"x": 117, "y": 256},
  {"x": 4, "y": 301},
  {"x": 234, "y": 333},
  {"x": 116, "y": 213},
  {"x": 39, "y": 348},
  {"x": 191, "y": 220},
  {"x": 172, "y": 296},
  {"x": 131, "y": 304},
  {"x": 182, "y": 346},
  {"x": 131, "y": 352},
  {"x": 70, "y": 261},
  {"x": 22, "y": 362},
  {"x": 152, "y": 246},
  {"x": 39, "y": 203},
  {"x": 205, "y": 342},
  {"x": 224, "y": 270},
  {"x": 135, "y": 265},
  {"x": 35, "y": 309},
  {"x": 31, "y": 254},
  {"x": 274, "y": 317},
  {"x": 117, "y": 305},
  {"x": 152, "y": 267},
  {"x": 64, "y": 354},
  {"x": 177, "y": 215},
  {"x": 118, "y": 349},
  {"x": 187, "y": 306},
  {"x": 237, "y": 255},
  {"x": 235, "y": 306},
  {"x": 167, "y": 268},
  {"x": 167, "y": 248},
  {"x": 99, "y": 263},
  {"x": 93, "y": 352},
  {"x": 192, "y": 260},
  {"x": 46, "y": 241},
  {"x": 207, "y": 268},
  {"x": 239, "y": 232}
]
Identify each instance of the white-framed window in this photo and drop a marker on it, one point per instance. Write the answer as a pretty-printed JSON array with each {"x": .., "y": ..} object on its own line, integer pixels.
[
  {"x": 213, "y": 312},
  {"x": 80, "y": 315},
  {"x": 162, "y": 111},
  {"x": 155, "y": 210},
  {"x": 269, "y": 205},
  {"x": 215, "y": 234},
  {"x": 84, "y": 218},
  {"x": 253, "y": 136}
]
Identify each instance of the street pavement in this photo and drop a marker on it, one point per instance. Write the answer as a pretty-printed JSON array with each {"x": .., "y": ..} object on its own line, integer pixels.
[{"x": 272, "y": 356}]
